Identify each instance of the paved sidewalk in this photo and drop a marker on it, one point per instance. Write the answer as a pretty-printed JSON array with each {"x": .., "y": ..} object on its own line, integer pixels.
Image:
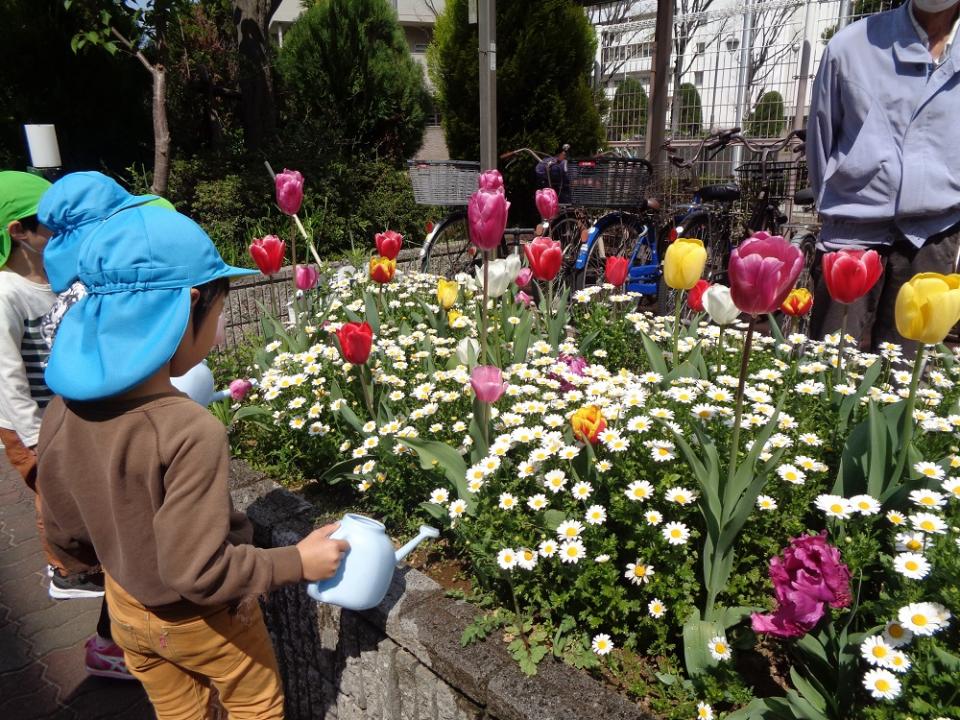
[{"x": 41, "y": 640}]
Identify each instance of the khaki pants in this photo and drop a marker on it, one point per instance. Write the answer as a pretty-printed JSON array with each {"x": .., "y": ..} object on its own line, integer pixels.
[
  {"x": 177, "y": 659},
  {"x": 24, "y": 460}
]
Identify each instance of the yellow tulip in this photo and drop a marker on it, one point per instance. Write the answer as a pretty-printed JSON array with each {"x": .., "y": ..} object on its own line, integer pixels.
[
  {"x": 453, "y": 316},
  {"x": 683, "y": 263},
  {"x": 447, "y": 291},
  {"x": 928, "y": 305},
  {"x": 587, "y": 423}
]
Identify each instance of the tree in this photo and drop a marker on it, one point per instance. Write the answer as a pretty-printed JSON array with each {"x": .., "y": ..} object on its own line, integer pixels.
[
  {"x": 861, "y": 9},
  {"x": 768, "y": 118},
  {"x": 543, "y": 90},
  {"x": 628, "y": 112},
  {"x": 768, "y": 46},
  {"x": 689, "y": 109},
  {"x": 252, "y": 18},
  {"x": 351, "y": 79}
]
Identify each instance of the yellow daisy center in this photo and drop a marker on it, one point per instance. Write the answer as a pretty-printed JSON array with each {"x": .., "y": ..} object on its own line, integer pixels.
[
  {"x": 879, "y": 651},
  {"x": 836, "y": 507},
  {"x": 911, "y": 565},
  {"x": 882, "y": 685},
  {"x": 919, "y": 620}
]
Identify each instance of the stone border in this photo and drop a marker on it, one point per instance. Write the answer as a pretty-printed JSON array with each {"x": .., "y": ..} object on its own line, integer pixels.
[{"x": 402, "y": 659}]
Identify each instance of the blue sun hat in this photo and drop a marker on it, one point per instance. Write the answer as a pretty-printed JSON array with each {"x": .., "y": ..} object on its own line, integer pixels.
[
  {"x": 138, "y": 267},
  {"x": 71, "y": 208}
]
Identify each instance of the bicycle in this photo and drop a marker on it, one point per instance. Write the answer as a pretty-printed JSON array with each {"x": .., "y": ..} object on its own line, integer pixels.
[{"x": 711, "y": 216}]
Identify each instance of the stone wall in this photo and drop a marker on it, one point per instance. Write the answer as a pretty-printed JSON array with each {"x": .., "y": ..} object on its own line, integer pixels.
[{"x": 401, "y": 660}]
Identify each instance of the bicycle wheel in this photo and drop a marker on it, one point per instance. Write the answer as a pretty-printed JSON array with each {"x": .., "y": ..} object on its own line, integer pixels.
[
  {"x": 449, "y": 251},
  {"x": 618, "y": 237},
  {"x": 569, "y": 230},
  {"x": 718, "y": 250},
  {"x": 807, "y": 242}
]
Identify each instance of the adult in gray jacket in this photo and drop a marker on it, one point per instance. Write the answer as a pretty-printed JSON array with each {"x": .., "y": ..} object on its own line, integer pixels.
[{"x": 883, "y": 151}]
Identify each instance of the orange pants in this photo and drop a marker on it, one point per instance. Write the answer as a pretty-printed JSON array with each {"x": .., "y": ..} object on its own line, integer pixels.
[
  {"x": 24, "y": 459},
  {"x": 178, "y": 659}
]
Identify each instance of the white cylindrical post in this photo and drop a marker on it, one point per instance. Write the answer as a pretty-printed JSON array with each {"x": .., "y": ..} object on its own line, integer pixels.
[{"x": 43, "y": 147}]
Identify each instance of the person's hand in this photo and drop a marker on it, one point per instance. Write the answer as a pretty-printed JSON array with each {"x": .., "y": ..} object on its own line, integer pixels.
[{"x": 320, "y": 555}]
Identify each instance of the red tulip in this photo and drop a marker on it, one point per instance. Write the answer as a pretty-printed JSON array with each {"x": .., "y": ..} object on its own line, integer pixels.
[
  {"x": 268, "y": 253},
  {"x": 545, "y": 257},
  {"x": 762, "y": 272},
  {"x": 547, "y": 203},
  {"x": 305, "y": 277},
  {"x": 388, "y": 243},
  {"x": 356, "y": 340},
  {"x": 616, "y": 269},
  {"x": 289, "y": 191},
  {"x": 850, "y": 274},
  {"x": 695, "y": 295}
]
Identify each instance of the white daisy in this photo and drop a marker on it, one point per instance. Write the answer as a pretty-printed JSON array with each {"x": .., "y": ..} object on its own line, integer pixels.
[
  {"x": 765, "y": 502},
  {"x": 569, "y": 530},
  {"x": 581, "y": 490},
  {"x": 662, "y": 451},
  {"x": 653, "y": 517},
  {"x": 704, "y": 711},
  {"x": 572, "y": 551},
  {"x": 526, "y": 558},
  {"x": 865, "y": 504},
  {"x": 680, "y": 495},
  {"x": 601, "y": 644},
  {"x": 898, "y": 661},
  {"x": 507, "y": 501},
  {"x": 440, "y": 496},
  {"x": 882, "y": 684},
  {"x": 639, "y": 573},
  {"x": 896, "y": 635},
  {"x": 928, "y": 523},
  {"x": 896, "y": 517},
  {"x": 596, "y": 515},
  {"x": 791, "y": 474},
  {"x": 875, "y": 651},
  {"x": 910, "y": 542},
  {"x": 507, "y": 558},
  {"x": 923, "y": 618},
  {"x": 639, "y": 490},
  {"x": 719, "y": 648},
  {"x": 457, "y": 508},
  {"x": 675, "y": 533},
  {"x": 537, "y": 502},
  {"x": 928, "y": 499},
  {"x": 834, "y": 506},
  {"x": 656, "y": 608},
  {"x": 911, "y": 565},
  {"x": 929, "y": 469},
  {"x": 548, "y": 548}
]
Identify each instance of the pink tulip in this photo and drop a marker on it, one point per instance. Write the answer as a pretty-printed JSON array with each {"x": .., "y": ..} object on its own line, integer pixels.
[
  {"x": 762, "y": 272},
  {"x": 289, "y": 191},
  {"x": 522, "y": 297},
  {"x": 490, "y": 181},
  {"x": 547, "y": 203},
  {"x": 487, "y": 382},
  {"x": 239, "y": 389},
  {"x": 487, "y": 217},
  {"x": 524, "y": 277},
  {"x": 808, "y": 577},
  {"x": 306, "y": 277}
]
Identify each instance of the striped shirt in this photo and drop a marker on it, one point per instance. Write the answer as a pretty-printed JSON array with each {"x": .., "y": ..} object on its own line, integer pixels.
[{"x": 23, "y": 354}]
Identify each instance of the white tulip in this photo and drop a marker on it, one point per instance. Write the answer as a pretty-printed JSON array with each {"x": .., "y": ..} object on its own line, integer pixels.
[
  {"x": 719, "y": 305},
  {"x": 466, "y": 281},
  {"x": 500, "y": 276},
  {"x": 467, "y": 351}
]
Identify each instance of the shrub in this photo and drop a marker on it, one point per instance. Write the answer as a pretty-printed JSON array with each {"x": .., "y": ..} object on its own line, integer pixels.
[
  {"x": 768, "y": 119},
  {"x": 689, "y": 110},
  {"x": 628, "y": 114}
]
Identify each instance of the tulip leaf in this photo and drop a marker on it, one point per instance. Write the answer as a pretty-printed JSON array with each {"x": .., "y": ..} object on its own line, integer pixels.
[
  {"x": 808, "y": 690},
  {"x": 729, "y": 616},
  {"x": 521, "y": 342},
  {"x": 449, "y": 460},
  {"x": 373, "y": 316},
  {"x": 697, "y": 634},
  {"x": 654, "y": 355},
  {"x": 775, "y": 329},
  {"x": 553, "y": 518},
  {"x": 251, "y": 411},
  {"x": 851, "y": 401},
  {"x": 336, "y": 472},
  {"x": 802, "y": 708},
  {"x": 438, "y": 512},
  {"x": 764, "y": 709}
]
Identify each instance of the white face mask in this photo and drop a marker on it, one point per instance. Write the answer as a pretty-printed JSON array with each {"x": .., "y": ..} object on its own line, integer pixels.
[{"x": 934, "y": 6}]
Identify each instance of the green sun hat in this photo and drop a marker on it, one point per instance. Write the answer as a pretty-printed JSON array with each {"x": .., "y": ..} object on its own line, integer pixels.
[{"x": 20, "y": 195}]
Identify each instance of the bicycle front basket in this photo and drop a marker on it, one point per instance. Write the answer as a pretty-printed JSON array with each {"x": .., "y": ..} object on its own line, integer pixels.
[
  {"x": 778, "y": 179},
  {"x": 443, "y": 182},
  {"x": 608, "y": 182}
]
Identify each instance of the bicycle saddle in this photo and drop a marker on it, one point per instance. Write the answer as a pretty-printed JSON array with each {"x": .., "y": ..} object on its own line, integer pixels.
[
  {"x": 720, "y": 193},
  {"x": 804, "y": 197}
]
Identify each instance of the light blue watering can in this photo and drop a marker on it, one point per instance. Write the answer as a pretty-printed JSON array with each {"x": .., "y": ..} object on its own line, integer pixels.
[
  {"x": 198, "y": 383},
  {"x": 364, "y": 575}
]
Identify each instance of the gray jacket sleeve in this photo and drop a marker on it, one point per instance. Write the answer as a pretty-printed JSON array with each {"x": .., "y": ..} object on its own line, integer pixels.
[{"x": 826, "y": 115}]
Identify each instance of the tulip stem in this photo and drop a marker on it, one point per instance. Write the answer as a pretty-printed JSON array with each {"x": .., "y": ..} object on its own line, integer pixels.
[
  {"x": 273, "y": 293},
  {"x": 483, "y": 307},
  {"x": 313, "y": 250},
  {"x": 738, "y": 407},
  {"x": 720, "y": 350},
  {"x": 906, "y": 436},
  {"x": 841, "y": 344},
  {"x": 293, "y": 259},
  {"x": 367, "y": 392},
  {"x": 676, "y": 327}
]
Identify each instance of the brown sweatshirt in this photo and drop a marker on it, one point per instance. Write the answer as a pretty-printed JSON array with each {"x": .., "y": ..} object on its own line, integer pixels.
[{"x": 141, "y": 486}]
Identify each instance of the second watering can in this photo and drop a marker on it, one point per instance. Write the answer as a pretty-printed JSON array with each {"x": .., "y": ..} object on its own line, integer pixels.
[{"x": 362, "y": 580}]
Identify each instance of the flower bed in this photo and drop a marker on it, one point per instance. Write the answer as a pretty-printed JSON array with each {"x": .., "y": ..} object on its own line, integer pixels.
[{"x": 678, "y": 505}]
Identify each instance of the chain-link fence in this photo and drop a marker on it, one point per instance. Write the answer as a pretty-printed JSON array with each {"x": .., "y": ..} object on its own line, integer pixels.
[{"x": 734, "y": 64}]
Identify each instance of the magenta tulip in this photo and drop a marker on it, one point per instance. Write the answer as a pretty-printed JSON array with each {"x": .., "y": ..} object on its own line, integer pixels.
[
  {"x": 490, "y": 181},
  {"x": 487, "y": 382},
  {"x": 547, "y": 203},
  {"x": 762, "y": 272},
  {"x": 306, "y": 277},
  {"x": 289, "y": 191},
  {"x": 522, "y": 297},
  {"x": 524, "y": 277},
  {"x": 487, "y": 217},
  {"x": 239, "y": 389}
]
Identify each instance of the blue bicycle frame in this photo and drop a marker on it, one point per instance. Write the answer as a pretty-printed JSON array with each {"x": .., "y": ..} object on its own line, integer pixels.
[{"x": 641, "y": 278}]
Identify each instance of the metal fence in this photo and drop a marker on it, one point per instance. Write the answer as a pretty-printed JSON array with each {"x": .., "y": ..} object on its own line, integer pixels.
[{"x": 739, "y": 63}]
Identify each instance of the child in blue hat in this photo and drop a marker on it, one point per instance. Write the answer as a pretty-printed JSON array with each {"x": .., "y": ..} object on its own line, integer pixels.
[{"x": 135, "y": 474}]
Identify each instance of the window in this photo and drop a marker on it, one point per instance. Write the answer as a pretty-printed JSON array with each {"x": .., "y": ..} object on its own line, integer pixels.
[
  {"x": 701, "y": 47},
  {"x": 698, "y": 77},
  {"x": 420, "y": 48}
]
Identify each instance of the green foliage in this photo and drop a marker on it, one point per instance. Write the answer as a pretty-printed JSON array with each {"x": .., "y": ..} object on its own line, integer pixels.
[
  {"x": 689, "y": 110},
  {"x": 860, "y": 9},
  {"x": 545, "y": 53},
  {"x": 628, "y": 112},
  {"x": 767, "y": 119},
  {"x": 351, "y": 81}
]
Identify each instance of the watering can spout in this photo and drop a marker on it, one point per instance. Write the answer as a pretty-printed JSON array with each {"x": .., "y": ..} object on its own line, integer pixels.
[{"x": 425, "y": 532}]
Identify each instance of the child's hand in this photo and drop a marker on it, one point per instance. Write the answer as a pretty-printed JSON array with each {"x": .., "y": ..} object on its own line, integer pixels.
[{"x": 320, "y": 555}]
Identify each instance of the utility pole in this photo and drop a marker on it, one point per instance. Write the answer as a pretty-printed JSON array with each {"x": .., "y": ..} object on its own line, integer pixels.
[
  {"x": 487, "y": 20},
  {"x": 663, "y": 46},
  {"x": 746, "y": 46}
]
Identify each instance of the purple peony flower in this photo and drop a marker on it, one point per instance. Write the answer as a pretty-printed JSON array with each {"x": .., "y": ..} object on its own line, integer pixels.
[{"x": 808, "y": 577}]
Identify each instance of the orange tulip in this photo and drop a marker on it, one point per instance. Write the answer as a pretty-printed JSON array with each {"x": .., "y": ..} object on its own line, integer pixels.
[
  {"x": 588, "y": 423},
  {"x": 798, "y": 302},
  {"x": 382, "y": 269}
]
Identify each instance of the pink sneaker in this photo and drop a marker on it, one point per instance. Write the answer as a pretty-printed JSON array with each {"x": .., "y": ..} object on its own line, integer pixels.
[{"x": 105, "y": 659}]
